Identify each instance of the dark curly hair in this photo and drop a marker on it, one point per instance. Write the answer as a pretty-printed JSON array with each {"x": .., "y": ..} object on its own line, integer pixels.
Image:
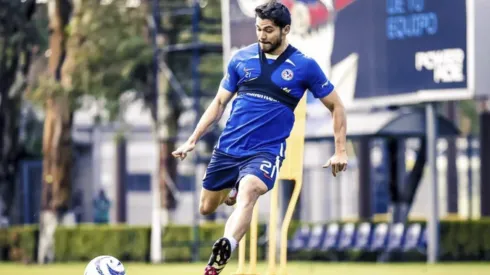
[{"x": 276, "y": 12}]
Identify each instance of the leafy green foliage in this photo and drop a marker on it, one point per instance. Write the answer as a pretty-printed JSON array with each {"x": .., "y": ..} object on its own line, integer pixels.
[
  {"x": 179, "y": 31},
  {"x": 459, "y": 241},
  {"x": 17, "y": 35},
  {"x": 110, "y": 55}
]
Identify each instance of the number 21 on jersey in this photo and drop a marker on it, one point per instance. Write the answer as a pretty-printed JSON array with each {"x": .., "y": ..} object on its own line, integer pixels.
[{"x": 268, "y": 169}]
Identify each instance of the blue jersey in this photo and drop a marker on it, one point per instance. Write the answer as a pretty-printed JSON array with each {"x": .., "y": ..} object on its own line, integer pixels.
[{"x": 268, "y": 89}]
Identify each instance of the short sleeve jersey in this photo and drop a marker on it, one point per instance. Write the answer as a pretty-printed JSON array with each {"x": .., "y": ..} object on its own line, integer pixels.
[{"x": 258, "y": 123}]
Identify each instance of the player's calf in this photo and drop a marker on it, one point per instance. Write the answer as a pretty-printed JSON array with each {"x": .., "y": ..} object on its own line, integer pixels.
[{"x": 251, "y": 188}]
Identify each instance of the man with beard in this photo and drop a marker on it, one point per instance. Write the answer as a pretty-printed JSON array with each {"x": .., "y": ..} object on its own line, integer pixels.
[{"x": 269, "y": 79}]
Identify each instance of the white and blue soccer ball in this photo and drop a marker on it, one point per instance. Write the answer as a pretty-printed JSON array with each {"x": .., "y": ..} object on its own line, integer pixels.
[{"x": 105, "y": 265}]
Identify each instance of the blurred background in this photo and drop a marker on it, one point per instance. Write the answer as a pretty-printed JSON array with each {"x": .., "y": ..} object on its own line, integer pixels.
[{"x": 96, "y": 94}]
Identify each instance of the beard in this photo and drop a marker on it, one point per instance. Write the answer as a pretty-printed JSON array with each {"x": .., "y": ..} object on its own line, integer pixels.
[{"x": 271, "y": 47}]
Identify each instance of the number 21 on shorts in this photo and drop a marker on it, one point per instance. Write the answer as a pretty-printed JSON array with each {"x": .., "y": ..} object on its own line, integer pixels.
[{"x": 268, "y": 169}]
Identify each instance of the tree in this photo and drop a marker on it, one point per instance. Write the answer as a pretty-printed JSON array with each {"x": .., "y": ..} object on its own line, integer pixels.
[
  {"x": 97, "y": 50},
  {"x": 17, "y": 36},
  {"x": 177, "y": 30}
]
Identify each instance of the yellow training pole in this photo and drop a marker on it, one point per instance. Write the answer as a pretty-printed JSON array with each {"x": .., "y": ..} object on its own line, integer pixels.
[
  {"x": 272, "y": 228},
  {"x": 293, "y": 165},
  {"x": 253, "y": 241},
  {"x": 242, "y": 247}
]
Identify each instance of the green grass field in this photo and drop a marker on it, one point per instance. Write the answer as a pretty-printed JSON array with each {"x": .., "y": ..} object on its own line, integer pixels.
[{"x": 295, "y": 268}]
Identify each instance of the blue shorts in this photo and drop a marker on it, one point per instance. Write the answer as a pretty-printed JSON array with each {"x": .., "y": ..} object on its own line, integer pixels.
[{"x": 225, "y": 171}]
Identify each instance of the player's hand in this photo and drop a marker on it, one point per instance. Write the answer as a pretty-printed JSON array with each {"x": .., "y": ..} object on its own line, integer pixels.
[
  {"x": 182, "y": 151},
  {"x": 338, "y": 163}
]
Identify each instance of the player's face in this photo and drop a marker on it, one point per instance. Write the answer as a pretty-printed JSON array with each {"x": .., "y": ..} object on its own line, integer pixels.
[{"x": 269, "y": 35}]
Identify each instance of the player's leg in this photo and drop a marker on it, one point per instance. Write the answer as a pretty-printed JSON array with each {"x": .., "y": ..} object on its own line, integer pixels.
[
  {"x": 221, "y": 176},
  {"x": 211, "y": 200},
  {"x": 257, "y": 177},
  {"x": 250, "y": 189}
]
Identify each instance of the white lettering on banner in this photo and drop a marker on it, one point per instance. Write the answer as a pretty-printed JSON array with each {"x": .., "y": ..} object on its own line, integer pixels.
[{"x": 447, "y": 64}]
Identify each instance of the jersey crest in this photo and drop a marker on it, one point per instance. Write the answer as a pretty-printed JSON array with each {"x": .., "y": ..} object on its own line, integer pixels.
[{"x": 287, "y": 74}]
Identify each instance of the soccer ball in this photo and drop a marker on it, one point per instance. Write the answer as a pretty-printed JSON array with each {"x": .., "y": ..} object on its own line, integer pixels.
[{"x": 105, "y": 265}]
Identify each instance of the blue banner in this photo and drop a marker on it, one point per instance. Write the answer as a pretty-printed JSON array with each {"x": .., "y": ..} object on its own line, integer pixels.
[
  {"x": 373, "y": 48},
  {"x": 403, "y": 45}
]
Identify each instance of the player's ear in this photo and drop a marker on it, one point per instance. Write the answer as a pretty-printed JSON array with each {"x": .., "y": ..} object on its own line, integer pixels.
[{"x": 286, "y": 29}]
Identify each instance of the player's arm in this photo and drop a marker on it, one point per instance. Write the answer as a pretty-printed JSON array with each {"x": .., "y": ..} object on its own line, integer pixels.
[
  {"x": 333, "y": 102},
  {"x": 323, "y": 89},
  {"x": 213, "y": 114},
  {"x": 215, "y": 110}
]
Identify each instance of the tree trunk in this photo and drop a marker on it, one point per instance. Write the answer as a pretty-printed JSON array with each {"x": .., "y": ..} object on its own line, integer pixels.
[
  {"x": 168, "y": 173},
  {"x": 57, "y": 145},
  {"x": 57, "y": 154},
  {"x": 166, "y": 114},
  {"x": 167, "y": 125}
]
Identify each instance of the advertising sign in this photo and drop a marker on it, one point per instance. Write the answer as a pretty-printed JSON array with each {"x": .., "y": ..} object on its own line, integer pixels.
[{"x": 383, "y": 52}]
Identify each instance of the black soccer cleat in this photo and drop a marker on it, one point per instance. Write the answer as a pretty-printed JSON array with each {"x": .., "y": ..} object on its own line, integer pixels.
[{"x": 219, "y": 257}]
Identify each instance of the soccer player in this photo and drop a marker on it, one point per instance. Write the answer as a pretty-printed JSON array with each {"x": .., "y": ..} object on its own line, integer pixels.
[{"x": 269, "y": 78}]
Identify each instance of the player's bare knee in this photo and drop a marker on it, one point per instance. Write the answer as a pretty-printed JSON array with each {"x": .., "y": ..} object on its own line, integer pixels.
[
  {"x": 251, "y": 188},
  {"x": 206, "y": 208},
  {"x": 211, "y": 200}
]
